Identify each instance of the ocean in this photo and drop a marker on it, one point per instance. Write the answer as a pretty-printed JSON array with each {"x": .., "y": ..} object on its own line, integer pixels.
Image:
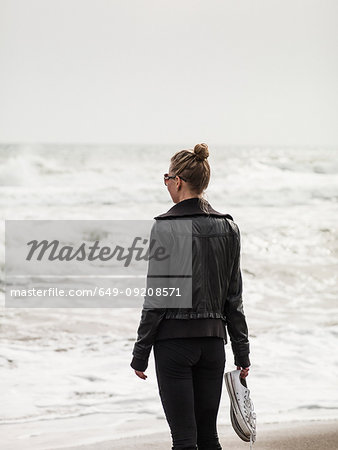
[{"x": 67, "y": 369}]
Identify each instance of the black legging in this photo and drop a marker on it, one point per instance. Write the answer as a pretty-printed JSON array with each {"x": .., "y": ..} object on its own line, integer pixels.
[{"x": 190, "y": 379}]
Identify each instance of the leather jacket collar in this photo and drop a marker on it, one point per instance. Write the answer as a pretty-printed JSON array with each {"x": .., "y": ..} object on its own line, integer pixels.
[{"x": 190, "y": 207}]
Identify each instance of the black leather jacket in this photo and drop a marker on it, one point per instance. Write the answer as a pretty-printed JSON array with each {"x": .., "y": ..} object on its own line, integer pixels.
[{"x": 216, "y": 282}]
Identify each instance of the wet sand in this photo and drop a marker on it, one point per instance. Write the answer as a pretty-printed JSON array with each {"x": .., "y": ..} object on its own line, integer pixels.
[{"x": 312, "y": 435}]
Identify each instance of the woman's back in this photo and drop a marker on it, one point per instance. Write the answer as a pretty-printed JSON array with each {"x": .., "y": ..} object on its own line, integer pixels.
[{"x": 213, "y": 242}]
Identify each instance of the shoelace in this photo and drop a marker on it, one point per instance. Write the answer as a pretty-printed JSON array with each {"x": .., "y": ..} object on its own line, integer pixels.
[
  {"x": 251, "y": 442},
  {"x": 253, "y": 429},
  {"x": 250, "y": 416}
]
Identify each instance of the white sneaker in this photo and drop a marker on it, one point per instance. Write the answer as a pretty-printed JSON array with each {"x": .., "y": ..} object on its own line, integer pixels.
[{"x": 243, "y": 417}]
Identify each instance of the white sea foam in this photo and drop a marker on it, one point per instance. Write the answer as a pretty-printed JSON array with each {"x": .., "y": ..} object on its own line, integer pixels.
[{"x": 63, "y": 363}]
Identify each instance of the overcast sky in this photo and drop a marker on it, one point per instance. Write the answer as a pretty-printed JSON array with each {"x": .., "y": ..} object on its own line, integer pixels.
[{"x": 169, "y": 71}]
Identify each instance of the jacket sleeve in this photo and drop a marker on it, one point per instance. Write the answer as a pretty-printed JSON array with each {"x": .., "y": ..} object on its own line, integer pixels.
[
  {"x": 150, "y": 320},
  {"x": 234, "y": 312},
  {"x": 152, "y": 312}
]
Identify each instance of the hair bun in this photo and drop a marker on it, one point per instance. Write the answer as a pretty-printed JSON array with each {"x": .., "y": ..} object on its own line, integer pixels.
[{"x": 201, "y": 151}]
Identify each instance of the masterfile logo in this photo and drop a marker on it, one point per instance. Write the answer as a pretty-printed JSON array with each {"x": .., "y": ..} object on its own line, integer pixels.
[{"x": 111, "y": 263}]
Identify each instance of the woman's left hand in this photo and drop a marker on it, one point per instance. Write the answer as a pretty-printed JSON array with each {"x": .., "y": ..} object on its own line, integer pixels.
[
  {"x": 141, "y": 374},
  {"x": 244, "y": 371}
]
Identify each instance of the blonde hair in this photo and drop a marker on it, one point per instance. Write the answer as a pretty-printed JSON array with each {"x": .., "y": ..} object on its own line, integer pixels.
[{"x": 194, "y": 167}]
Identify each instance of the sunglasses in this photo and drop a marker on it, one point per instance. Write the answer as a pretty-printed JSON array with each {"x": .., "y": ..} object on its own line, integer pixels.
[{"x": 167, "y": 177}]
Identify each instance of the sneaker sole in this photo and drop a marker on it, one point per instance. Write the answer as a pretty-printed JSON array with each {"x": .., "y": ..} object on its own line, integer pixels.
[{"x": 236, "y": 427}]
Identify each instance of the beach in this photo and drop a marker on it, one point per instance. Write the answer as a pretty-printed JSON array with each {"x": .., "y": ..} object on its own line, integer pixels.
[
  {"x": 114, "y": 113},
  {"x": 296, "y": 436},
  {"x": 66, "y": 378}
]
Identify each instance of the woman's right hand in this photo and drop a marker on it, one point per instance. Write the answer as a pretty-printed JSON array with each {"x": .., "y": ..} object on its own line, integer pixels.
[{"x": 141, "y": 374}]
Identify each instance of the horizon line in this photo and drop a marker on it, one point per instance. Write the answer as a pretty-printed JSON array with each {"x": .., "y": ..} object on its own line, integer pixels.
[{"x": 109, "y": 144}]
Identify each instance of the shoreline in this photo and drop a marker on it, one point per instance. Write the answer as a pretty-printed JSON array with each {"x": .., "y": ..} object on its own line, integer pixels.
[{"x": 315, "y": 434}]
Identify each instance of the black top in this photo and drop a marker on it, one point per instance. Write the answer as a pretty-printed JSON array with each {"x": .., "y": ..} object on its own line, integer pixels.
[
  {"x": 190, "y": 207},
  {"x": 173, "y": 328},
  {"x": 177, "y": 328}
]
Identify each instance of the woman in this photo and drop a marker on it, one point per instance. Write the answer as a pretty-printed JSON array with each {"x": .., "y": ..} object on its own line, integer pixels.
[{"x": 189, "y": 343}]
